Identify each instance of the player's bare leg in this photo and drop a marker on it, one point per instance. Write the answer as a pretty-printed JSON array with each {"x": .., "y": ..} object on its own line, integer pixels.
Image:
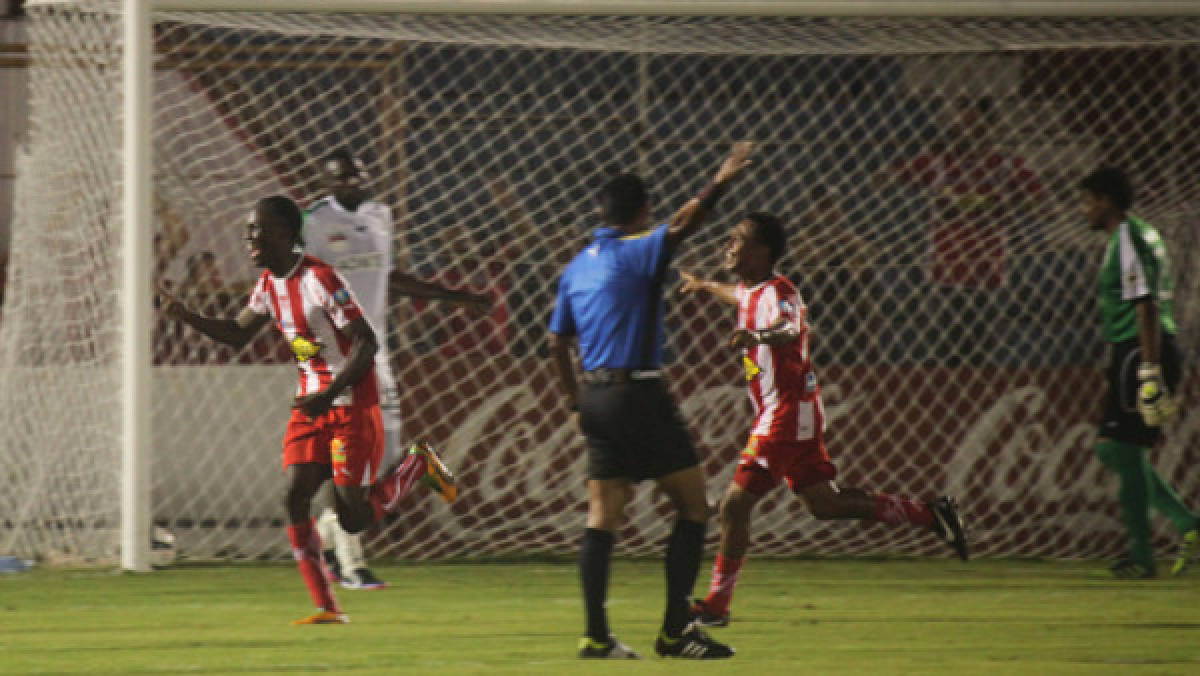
[
  {"x": 679, "y": 636},
  {"x": 735, "y": 511},
  {"x": 607, "y": 499},
  {"x": 304, "y": 480}
]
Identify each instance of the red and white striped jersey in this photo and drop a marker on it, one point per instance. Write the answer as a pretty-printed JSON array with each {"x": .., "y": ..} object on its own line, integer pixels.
[
  {"x": 311, "y": 306},
  {"x": 782, "y": 384}
]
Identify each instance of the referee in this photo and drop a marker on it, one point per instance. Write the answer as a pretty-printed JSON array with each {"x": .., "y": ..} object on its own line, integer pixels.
[{"x": 610, "y": 301}]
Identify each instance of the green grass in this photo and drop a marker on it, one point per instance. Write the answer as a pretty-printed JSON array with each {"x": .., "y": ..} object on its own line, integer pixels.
[{"x": 790, "y": 616}]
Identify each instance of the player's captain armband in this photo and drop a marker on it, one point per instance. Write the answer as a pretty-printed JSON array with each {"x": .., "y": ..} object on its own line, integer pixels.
[
  {"x": 805, "y": 420},
  {"x": 305, "y": 349}
]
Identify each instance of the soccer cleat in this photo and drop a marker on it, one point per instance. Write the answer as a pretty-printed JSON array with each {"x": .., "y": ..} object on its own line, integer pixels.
[
  {"x": 439, "y": 479},
  {"x": 612, "y": 650},
  {"x": 702, "y": 615},
  {"x": 1187, "y": 550},
  {"x": 693, "y": 644},
  {"x": 363, "y": 578},
  {"x": 949, "y": 526},
  {"x": 1128, "y": 569},
  {"x": 324, "y": 617}
]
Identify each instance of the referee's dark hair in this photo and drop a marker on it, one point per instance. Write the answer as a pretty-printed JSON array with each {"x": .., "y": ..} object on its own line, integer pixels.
[
  {"x": 1111, "y": 182},
  {"x": 768, "y": 230},
  {"x": 285, "y": 211},
  {"x": 622, "y": 199}
]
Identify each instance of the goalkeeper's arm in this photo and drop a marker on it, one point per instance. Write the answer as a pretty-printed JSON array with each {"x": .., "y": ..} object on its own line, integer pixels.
[{"x": 1154, "y": 401}]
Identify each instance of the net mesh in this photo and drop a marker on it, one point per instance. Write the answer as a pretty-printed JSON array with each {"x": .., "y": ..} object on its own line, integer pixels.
[{"x": 926, "y": 170}]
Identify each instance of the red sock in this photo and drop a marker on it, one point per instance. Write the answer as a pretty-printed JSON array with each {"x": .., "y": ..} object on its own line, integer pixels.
[
  {"x": 306, "y": 548},
  {"x": 389, "y": 490},
  {"x": 724, "y": 579},
  {"x": 892, "y": 510}
]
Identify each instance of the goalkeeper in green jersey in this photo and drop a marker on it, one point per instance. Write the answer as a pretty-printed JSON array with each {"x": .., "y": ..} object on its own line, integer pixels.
[{"x": 1139, "y": 324}]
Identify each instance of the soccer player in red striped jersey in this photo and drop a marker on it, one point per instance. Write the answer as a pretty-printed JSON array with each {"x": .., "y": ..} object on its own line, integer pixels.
[
  {"x": 335, "y": 430},
  {"x": 787, "y": 438}
]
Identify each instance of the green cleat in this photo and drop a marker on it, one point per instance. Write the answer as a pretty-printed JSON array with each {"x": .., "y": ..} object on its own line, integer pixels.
[{"x": 1187, "y": 550}]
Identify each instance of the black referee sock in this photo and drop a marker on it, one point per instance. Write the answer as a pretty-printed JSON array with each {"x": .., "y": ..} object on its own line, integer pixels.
[
  {"x": 595, "y": 555},
  {"x": 684, "y": 550}
]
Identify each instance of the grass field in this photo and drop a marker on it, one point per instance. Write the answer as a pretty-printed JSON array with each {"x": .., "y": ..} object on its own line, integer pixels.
[{"x": 790, "y": 616}]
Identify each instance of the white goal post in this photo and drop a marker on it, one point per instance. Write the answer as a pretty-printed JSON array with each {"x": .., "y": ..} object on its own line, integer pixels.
[{"x": 868, "y": 71}]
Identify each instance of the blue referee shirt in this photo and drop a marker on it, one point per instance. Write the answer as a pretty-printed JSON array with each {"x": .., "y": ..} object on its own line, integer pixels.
[{"x": 604, "y": 298}]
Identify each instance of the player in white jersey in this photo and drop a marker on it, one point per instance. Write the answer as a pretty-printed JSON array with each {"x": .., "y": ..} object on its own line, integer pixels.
[{"x": 353, "y": 233}]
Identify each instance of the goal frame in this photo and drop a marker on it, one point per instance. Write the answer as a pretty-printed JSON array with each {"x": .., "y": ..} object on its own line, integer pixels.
[{"x": 137, "y": 158}]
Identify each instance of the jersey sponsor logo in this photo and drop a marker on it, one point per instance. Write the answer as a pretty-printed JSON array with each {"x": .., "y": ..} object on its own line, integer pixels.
[
  {"x": 341, "y": 296},
  {"x": 786, "y": 307},
  {"x": 752, "y": 369},
  {"x": 305, "y": 349}
]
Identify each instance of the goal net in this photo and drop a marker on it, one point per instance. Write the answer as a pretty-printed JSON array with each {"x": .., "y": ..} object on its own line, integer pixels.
[{"x": 926, "y": 170}]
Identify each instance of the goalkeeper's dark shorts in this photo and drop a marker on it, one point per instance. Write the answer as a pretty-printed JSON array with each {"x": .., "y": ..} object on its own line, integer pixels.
[
  {"x": 1121, "y": 421},
  {"x": 634, "y": 431}
]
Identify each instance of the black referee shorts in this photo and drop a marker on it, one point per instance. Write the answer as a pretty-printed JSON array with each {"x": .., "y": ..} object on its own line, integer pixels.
[
  {"x": 634, "y": 431},
  {"x": 1121, "y": 421}
]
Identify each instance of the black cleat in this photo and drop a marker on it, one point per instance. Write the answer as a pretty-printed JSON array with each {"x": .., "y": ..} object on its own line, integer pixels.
[
  {"x": 702, "y": 616},
  {"x": 1128, "y": 569},
  {"x": 949, "y": 526},
  {"x": 693, "y": 644},
  {"x": 363, "y": 578},
  {"x": 611, "y": 650}
]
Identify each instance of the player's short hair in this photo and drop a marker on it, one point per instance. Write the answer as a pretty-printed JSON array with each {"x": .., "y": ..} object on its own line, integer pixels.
[
  {"x": 285, "y": 211},
  {"x": 347, "y": 158},
  {"x": 1110, "y": 182},
  {"x": 622, "y": 199},
  {"x": 768, "y": 231}
]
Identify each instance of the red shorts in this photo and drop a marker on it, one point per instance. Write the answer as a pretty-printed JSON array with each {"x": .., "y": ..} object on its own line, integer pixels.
[
  {"x": 347, "y": 438},
  {"x": 765, "y": 461}
]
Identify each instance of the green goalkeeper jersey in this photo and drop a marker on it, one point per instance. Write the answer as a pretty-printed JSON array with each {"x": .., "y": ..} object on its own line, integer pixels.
[{"x": 1135, "y": 267}]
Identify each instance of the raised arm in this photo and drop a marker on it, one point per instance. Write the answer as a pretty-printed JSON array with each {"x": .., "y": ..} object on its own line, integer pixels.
[
  {"x": 235, "y": 332},
  {"x": 723, "y": 292},
  {"x": 691, "y": 215}
]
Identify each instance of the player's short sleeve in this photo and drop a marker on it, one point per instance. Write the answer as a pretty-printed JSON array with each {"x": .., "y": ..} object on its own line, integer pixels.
[
  {"x": 1134, "y": 281},
  {"x": 788, "y": 306},
  {"x": 335, "y": 297},
  {"x": 647, "y": 252},
  {"x": 260, "y": 302},
  {"x": 562, "y": 320}
]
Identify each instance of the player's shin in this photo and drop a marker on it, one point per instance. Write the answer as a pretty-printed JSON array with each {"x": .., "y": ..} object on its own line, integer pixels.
[{"x": 306, "y": 548}]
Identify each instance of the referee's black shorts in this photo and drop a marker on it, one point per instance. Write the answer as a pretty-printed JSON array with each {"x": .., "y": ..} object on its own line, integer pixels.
[
  {"x": 634, "y": 431},
  {"x": 1121, "y": 421}
]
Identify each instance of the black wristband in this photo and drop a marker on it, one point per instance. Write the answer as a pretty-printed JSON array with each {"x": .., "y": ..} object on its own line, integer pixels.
[{"x": 711, "y": 194}]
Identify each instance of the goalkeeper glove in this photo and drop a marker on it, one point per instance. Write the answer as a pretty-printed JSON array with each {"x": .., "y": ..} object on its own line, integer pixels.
[{"x": 1154, "y": 401}]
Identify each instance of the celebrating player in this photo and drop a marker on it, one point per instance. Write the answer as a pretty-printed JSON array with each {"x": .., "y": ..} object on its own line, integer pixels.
[
  {"x": 335, "y": 429},
  {"x": 610, "y": 297},
  {"x": 1137, "y": 311},
  {"x": 354, "y": 234},
  {"x": 787, "y": 439}
]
